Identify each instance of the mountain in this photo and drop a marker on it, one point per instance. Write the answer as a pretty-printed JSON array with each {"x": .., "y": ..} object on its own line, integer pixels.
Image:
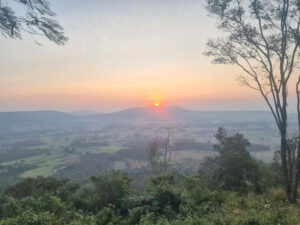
[
  {"x": 83, "y": 112},
  {"x": 37, "y": 120},
  {"x": 173, "y": 113},
  {"x": 152, "y": 113},
  {"x": 30, "y": 120}
]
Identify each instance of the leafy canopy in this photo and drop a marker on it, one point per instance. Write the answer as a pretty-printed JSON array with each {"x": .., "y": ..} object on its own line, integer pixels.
[{"x": 37, "y": 20}]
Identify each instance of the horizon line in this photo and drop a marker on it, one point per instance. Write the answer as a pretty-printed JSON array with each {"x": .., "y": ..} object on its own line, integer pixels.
[{"x": 94, "y": 111}]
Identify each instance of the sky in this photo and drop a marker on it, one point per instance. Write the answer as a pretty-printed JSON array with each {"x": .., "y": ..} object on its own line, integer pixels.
[{"x": 121, "y": 54}]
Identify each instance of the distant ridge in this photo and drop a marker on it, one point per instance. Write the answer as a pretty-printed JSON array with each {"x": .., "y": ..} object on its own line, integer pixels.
[
  {"x": 83, "y": 112},
  {"x": 50, "y": 119},
  {"x": 178, "y": 113},
  {"x": 149, "y": 113},
  {"x": 20, "y": 120}
]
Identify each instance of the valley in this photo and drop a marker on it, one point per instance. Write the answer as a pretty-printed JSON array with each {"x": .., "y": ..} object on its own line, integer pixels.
[{"x": 79, "y": 146}]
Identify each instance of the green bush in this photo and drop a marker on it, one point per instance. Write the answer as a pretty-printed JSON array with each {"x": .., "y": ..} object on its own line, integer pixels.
[
  {"x": 277, "y": 194},
  {"x": 165, "y": 199}
]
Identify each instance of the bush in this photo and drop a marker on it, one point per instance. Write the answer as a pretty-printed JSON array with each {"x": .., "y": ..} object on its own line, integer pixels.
[{"x": 277, "y": 194}]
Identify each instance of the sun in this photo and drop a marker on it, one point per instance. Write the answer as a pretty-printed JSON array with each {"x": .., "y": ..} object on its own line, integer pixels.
[{"x": 156, "y": 104}]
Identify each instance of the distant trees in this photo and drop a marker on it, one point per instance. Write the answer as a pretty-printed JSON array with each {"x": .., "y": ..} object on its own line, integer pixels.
[
  {"x": 37, "y": 20},
  {"x": 192, "y": 144},
  {"x": 234, "y": 168},
  {"x": 263, "y": 41},
  {"x": 70, "y": 150}
]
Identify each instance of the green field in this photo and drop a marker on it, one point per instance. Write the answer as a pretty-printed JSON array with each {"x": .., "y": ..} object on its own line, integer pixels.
[
  {"x": 102, "y": 149},
  {"x": 54, "y": 156},
  {"x": 46, "y": 164},
  {"x": 32, "y": 160},
  {"x": 45, "y": 146},
  {"x": 44, "y": 169},
  {"x": 110, "y": 149},
  {"x": 41, "y": 171}
]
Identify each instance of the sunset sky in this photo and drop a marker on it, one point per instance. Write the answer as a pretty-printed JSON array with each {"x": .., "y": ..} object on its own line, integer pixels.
[{"x": 121, "y": 53}]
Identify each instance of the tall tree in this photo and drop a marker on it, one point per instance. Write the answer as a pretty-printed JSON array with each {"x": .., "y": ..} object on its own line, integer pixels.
[
  {"x": 34, "y": 17},
  {"x": 262, "y": 38}
]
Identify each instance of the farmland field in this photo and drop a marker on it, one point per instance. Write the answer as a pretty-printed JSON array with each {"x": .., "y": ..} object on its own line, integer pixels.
[{"x": 88, "y": 148}]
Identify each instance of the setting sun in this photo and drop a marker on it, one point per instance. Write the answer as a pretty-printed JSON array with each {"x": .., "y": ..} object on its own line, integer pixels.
[{"x": 159, "y": 109}]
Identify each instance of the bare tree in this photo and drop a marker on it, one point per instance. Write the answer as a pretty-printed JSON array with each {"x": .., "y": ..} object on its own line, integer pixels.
[
  {"x": 154, "y": 155},
  {"x": 38, "y": 20},
  {"x": 160, "y": 160},
  {"x": 262, "y": 39},
  {"x": 167, "y": 152}
]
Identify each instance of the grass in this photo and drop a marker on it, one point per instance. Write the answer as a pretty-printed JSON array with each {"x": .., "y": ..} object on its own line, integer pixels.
[
  {"x": 41, "y": 171},
  {"x": 46, "y": 163},
  {"x": 101, "y": 149},
  {"x": 110, "y": 149},
  {"x": 44, "y": 169},
  {"x": 32, "y": 160},
  {"x": 55, "y": 143},
  {"x": 45, "y": 146}
]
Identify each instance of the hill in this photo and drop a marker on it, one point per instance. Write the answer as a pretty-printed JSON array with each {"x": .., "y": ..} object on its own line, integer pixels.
[
  {"x": 35, "y": 120},
  {"x": 29, "y": 120},
  {"x": 178, "y": 114}
]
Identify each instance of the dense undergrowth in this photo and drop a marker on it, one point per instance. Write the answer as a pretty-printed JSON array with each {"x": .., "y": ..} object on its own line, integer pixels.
[{"x": 164, "y": 199}]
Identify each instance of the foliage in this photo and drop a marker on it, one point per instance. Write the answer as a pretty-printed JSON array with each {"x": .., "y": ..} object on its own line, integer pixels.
[
  {"x": 234, "y": 168},
  {"x": 36, "y": 21},
  {"x": 34, "y": 187},
  {"x": 262, "y": 38},
  {"x": 106, "y": 189},
  {"x": 233, "y": 189},
  {"x": 10, "y": 174},
  {"x": 168, "y": 198}
]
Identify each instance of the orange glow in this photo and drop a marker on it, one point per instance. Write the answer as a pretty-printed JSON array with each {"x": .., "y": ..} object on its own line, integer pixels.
[{"x": 156, "y": 104}]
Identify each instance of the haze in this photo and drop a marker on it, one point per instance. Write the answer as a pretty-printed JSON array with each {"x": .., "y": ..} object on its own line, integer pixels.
[
  {"x": 112, "y": 112},
  {"x": 121, "y": 54}
]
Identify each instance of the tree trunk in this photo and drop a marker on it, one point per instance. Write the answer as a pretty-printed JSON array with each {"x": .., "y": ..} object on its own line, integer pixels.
[
  {"x": 297, "y": 160},
  {"x": 296, "y": 168},
  {"x": 284, "y": 164},
  {"x": 284, "y": 145}
]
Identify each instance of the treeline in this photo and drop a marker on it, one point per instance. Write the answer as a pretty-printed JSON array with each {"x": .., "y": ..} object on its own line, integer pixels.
[
  {"x": 21, "y": 153},
  {"x": 231, "y": 188}
]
